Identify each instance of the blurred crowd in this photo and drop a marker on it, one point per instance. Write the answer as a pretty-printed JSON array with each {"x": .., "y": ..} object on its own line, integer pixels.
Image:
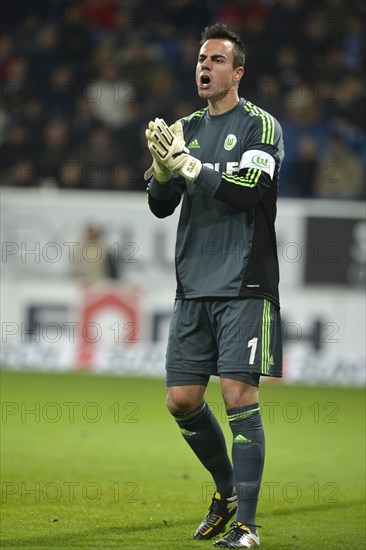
[{"x": 80, "y": 79}]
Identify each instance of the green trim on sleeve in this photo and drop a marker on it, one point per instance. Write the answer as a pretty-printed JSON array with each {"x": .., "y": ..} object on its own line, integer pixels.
[
  {"x": 250, "y": 179},
  {"x": 196, "y": 114},
  {"x": 268, "y": 123}
]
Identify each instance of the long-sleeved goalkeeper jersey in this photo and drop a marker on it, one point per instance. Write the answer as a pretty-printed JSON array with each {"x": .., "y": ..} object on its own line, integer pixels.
[{"x": 226, "y": 241}]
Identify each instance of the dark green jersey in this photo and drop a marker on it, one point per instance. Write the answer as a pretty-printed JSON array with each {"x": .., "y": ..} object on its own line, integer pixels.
[{"x": 226, "y": 242}]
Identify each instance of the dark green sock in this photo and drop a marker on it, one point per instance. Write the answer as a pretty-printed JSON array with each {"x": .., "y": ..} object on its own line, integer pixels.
[
  {"x": 248, "y": 459},
  {"x": 203, "y": 434}
]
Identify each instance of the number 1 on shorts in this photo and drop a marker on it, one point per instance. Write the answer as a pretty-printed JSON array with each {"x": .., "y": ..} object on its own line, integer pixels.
[{"x": 252, "y": 344}]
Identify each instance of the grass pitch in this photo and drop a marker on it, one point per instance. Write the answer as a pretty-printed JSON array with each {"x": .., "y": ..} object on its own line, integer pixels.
[{"x": 97, "y": 462}]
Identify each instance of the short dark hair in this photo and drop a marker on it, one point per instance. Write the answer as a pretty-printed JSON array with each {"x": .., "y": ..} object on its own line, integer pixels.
[{"x": 220, "y": 30}]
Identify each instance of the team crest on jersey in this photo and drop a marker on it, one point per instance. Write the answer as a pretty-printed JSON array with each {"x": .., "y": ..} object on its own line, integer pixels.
[
  {"x": 230, "y": 142},
  {"x": 260, "y": 161}
]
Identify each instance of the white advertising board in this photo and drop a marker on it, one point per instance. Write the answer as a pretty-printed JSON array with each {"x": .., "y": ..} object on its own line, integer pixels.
[{"x": 54, "y": 319}]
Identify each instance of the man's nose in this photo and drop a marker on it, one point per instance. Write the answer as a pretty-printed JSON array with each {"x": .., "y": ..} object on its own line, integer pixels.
[{"x": 206, "y": 65}]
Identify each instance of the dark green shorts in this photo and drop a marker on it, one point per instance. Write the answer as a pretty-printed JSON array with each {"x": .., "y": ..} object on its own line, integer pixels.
[{"x": 231, "y": 338}]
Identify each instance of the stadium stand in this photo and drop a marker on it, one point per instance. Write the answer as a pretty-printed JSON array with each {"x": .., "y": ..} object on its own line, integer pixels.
[{"x": 80, "y": 80}]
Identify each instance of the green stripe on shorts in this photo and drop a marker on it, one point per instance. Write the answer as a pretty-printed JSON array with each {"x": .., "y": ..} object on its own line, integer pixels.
[{"x": 266, "y": 335}]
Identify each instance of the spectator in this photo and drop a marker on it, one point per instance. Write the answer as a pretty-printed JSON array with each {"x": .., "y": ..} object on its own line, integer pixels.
[
  {"x": 83, "y": 120},
  {"x": 70, "y": 174},
  {"x": 93, "y": 260},
  {"x": 17, "y": 166},
  {"x": 351, "y": 99},
  {"x": 96, "y": 157},
  {"x": 111, "y": 96},
  {"x": 61, "y": 90},
  {"x": 53, "y": 151},
  {"x": 305, "y": 169},
  {"x": 46, "y": 54},
  {"x": 341, "y": 173},
  {"x": 17, "y": 145},
  {"x": 6, "y": 56},
  {"x": 123, "y": 177},
  {"x": 20, "y": 174}
]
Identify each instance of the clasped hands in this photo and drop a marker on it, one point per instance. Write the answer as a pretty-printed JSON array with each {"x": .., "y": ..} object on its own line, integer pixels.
[{"x": 169, "y": 152}]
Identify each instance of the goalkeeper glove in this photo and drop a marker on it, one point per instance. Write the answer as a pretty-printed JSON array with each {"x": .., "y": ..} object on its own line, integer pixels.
[
  {"x": 160, "y": 173},
  {"x": 157, "y": 169},
  {"x": 171, "y": 151}
]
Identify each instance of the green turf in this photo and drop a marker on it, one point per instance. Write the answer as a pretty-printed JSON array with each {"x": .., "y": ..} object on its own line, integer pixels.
[{"x": 99, "y": 463}]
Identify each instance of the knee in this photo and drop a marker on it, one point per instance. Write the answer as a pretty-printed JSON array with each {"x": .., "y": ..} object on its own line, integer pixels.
[
  {"x": 180, "y": 401},
  {"x": 238, "y": 394}
]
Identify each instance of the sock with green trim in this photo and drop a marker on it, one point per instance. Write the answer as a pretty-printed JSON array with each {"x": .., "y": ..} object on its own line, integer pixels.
[
  {"x": 248, "y": 459},
  {"x": 203, "y": 434}
]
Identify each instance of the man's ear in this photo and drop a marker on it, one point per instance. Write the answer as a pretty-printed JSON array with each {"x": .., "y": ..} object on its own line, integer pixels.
[{"x": 239, "y": 74}]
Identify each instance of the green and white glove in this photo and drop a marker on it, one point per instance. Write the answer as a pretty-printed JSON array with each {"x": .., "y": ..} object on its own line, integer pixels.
[
  {"x": 157, "y": 169},
  {"x": 170, "y": 151},
  {"x": 159, "y": 172}
]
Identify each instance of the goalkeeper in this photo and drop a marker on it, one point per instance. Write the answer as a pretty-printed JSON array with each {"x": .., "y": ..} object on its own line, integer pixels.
[{"x": 223, "y": 162}]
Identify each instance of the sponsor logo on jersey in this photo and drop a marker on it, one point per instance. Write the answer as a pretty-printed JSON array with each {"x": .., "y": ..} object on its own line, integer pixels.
[
  {"x": 227, "y": 167},
  {"x": 230, "y": 142},
  {"x": 194, "y": 144}
]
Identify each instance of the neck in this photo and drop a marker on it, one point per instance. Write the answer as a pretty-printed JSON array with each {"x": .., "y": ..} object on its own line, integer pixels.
[{"x": 222, "y": 105}]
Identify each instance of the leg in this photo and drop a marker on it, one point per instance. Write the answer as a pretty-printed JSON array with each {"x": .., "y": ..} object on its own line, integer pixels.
[
  {"x": 238, "y": 393},
  {"x": 192, "y": 344},
  {"x": 241, "y": 400},
  {"x": 202, "y": 432},
  {"x": 249, "y": 345}
]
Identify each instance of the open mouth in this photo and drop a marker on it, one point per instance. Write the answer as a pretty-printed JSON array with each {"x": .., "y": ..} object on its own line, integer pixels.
[{"x": 205, "y": 80}]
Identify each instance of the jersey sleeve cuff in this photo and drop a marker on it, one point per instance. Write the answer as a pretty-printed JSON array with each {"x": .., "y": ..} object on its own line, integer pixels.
[
  {"x": 161, "y": 191},
  {"x": 208, "y": 180}
]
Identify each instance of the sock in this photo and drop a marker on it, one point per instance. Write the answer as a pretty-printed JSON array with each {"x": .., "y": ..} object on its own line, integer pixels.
[
  {"x": 203, "y": 434},
  {"x": 248, "y": 459}
]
